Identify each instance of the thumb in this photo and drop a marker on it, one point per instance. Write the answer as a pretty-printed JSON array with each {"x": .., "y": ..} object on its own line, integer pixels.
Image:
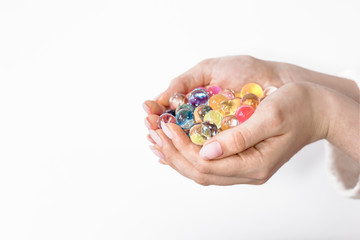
[{"x": 235, "y": 140}]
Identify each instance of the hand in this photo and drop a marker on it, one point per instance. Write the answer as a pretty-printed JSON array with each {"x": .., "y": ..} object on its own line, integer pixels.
[
  {"x": 227, "y": 72},
  {"x": 253, "y": 151},
  {"x": 253, "y": 158}
]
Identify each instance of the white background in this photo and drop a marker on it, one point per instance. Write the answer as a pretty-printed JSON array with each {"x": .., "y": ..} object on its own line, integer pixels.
[{"x": 74, "y": 159}]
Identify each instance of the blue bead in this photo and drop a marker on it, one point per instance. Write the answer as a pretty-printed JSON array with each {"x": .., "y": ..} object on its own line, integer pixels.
[{"x": 185, "y": 119}]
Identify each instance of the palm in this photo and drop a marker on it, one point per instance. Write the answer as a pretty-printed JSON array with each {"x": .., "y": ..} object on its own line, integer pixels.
[{"x": 235, "y": 71}]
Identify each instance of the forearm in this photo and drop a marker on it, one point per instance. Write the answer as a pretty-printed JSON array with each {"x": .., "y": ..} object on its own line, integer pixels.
[
  {"x": 295, "y": 73},
  {"x": 344, "y": 123}
]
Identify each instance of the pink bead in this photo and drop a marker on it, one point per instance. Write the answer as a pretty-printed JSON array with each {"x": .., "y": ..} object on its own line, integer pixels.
[
  {"x": 166, "y": 118},
  {"x": 213, "y": 90},
  {"x": 228, "y": 93},
  {"x": 244, "y": 112}
]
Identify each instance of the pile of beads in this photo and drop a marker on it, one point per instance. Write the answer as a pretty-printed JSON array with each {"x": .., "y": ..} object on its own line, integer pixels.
[{"x": 205, "y": 112}]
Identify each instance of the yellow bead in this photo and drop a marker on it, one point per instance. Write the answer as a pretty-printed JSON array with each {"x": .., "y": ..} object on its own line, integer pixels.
[
  {"x": 196, "y": 135},
  {"x": 251, "y": 100},
  {"x": 215, "y": 100},
  {"x": 229, "y": 107},
  {"x": 252, "y": 88},
  {"x": 214, "y": 117}
]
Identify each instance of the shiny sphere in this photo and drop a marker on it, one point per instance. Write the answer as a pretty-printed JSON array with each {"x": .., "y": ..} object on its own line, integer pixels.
[
  {"x": 251, "y": 88},
  {"x": 244, "y": 112},
  {"x": 229, "y": 107},
  {"x": 215, "y": 100},
  {"x": 213, "y": 90},
  {"x": 199, "y": 97},
  {"x": 229, "y": 122},
  {"x": 200, "y": 112},
  {"x": 213, "y": 117},
  {"x": 176, "y": 100},
  {"x": 185, "y": 119},
  {"x": 166, "y": 118},
  {"x": 251, "y": 100}
]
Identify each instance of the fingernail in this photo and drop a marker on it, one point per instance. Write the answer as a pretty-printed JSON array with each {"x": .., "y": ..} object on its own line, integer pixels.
[
  {"x": 146, "y": 108},
  {"x": 157, "y": 152},
  {"x": 211, "y": 150},
  {"x": 150, "y": 139},
  {"x": 166, "y": 130},
  {"x": 147, "y": 124},
  {"x": 156, "y": 137}
]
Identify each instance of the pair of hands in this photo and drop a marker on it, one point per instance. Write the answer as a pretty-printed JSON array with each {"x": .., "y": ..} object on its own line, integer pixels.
[{"x": 283, "y": 123}]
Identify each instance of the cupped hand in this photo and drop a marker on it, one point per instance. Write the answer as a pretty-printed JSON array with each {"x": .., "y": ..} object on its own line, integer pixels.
[
  {"x": 227, "y": 72},
  {"x": 252, "y": 152}
]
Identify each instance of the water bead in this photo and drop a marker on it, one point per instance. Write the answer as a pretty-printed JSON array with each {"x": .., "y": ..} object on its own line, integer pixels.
[
  {"x": 185, "y": 106},
  {"x": 196, "y": 136},
  {"x": 200, "y": 112},
  {"x": 176, "y": 100},
  {"x": 251, "y": 100},
  {"x": 252, "y": 88},
  {"x": 213, "y": 117},
  {"x": 185, "y": 119},
  {"x": 268, "y": 91},
  {"x": 228, "y": 93},
  {"x": 229, "y": 122},
  {"x": 199, "y": 97},
  {"x": 243, "y": 113},
  {"x": 215, "y": 100},
  {"x": 166, "y": 118},
  {"x": 229, "y": 107},
  {"x": 213, "y": 90},
  {"x": 209, "y": 129}
]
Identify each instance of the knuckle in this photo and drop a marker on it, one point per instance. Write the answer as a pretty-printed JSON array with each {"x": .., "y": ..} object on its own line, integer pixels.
[
  {"x": 238, "y": 139},
  {"x": 263, "y": 175},
  {"x": 277, "y": 118},
  {"x": 201, "y": 179},
  {"x": 203, "y": 168}
]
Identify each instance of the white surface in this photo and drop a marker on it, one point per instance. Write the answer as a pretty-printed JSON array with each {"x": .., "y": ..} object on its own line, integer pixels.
[{"x": 74, "y": 162}]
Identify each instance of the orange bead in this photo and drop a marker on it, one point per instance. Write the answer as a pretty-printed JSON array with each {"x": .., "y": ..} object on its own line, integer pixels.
[
  {"x": 215, "y": 100},
  {"x": 229, "y": 107},
  {"x": 252, "y": 88},
  {"x": 251, "y": 100},
  {"x": 229, "y": 122}
]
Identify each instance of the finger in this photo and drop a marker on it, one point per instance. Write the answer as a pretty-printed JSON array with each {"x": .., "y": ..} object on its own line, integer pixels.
[
  {"x": 150, "y": 139},
  {"x": 151, "y": 121},
  {"x": 226, "y": 167},
  {"x": 152, "y": 107},
  {"x": 185, "y": 168},
  {"x": 263, "y": 124},
  {"x": 199, "y": 75}
]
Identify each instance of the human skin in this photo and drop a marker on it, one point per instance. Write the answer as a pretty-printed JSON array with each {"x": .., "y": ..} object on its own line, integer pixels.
[{"x": 253, "y": 151}]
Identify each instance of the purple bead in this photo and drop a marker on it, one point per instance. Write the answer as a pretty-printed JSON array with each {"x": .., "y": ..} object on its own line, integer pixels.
[{"x": 198, "y": 97}]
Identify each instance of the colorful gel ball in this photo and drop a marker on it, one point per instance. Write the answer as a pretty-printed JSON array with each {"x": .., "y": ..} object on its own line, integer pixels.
[
  {"x": 166, "y": 118},
  {"x": 176, "y": 100},
  {"x": 244, "y": 112},
  {"x": 200, "y": 112},
  {"x": 213, "y": 90},
  {"x": 185, "y": 119},
  {"x": 251, "y": 88},
  {"x": 199, "y": 97}
]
